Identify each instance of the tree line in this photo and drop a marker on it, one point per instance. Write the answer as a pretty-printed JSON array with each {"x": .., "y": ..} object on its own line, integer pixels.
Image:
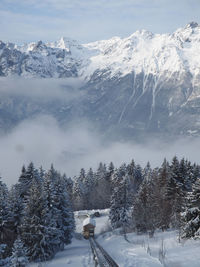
[
  {"x": 36, "y": 214},
  {"x": 36, "y": 217},
  {"x": 167, "y": 197}
]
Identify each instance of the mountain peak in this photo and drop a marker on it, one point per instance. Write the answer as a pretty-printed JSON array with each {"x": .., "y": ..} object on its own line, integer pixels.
[
  {"x": 39, "y": 46},
  {"x": 142, "y": 33},
  {"x": 192, "y": 25},
  {"x": 65, "y": 43}
]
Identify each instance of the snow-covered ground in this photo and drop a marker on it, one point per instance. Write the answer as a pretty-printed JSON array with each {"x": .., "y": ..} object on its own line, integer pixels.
[
  {"x": 137, "y": 251},
  {"x": 76, "y": 254},
  {"x": 161, "y": 250}
]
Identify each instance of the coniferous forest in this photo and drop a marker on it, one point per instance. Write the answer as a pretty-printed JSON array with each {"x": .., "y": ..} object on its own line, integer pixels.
[{"x": 36, "y": 214}]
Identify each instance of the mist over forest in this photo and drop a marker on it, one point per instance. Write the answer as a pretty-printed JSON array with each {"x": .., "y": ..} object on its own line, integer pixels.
[{"x": 43, "y": 138}]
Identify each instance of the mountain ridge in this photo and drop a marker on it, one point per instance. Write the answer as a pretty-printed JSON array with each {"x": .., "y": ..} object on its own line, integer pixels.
[
  {"x": 145, "y": 83},
  {"x": 141, "y": 51}
]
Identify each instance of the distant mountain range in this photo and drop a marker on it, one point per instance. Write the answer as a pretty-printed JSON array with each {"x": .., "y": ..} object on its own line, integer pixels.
[{"x": 145, "y": 84}]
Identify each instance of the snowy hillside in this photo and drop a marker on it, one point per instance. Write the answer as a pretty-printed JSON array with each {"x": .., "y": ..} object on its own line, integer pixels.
[{"x": 138, "y": 251}]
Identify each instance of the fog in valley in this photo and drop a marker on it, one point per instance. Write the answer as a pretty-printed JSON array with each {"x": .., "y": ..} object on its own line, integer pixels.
[
  {"x": 41, "y": 90},
  {"x": 43, "y": 140}
]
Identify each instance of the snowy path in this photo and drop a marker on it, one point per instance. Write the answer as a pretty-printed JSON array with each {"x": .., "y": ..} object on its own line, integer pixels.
[{"x": 77, "y": 254}]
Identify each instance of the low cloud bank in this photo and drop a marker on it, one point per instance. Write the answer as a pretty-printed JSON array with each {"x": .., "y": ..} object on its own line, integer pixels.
[
  {"x": 42, "y": 141},
  {"x": 42, "y": 89}
]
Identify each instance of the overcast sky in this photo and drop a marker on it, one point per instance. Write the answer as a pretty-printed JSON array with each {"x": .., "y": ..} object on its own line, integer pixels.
[{"x": 89, "y": 20}]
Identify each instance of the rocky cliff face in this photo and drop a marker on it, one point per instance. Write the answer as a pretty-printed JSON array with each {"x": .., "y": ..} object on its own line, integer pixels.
[{"x": 146, "y": 83}]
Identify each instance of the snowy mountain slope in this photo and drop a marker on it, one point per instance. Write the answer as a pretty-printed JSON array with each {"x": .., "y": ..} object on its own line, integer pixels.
[
  {"x": 37, "y": 60},
  {"x": 143, "y": 83}
]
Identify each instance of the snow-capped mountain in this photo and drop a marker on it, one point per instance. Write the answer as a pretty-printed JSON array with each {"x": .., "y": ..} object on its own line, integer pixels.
[
  {"x": 142, "y": 51},
  {"x": 145, "y": 82}
]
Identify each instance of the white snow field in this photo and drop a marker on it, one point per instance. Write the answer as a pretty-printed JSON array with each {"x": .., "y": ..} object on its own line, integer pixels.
[{"x": 163, "y": 249}]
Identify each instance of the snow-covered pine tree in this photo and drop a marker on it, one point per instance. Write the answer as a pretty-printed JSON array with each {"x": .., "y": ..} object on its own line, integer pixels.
[
  {"x": 147, "y": 172},
  {"x": 138, "y": 177},
  {"x": 161, "y": 181},
  {"x": 66, "y": 223},
  {"x": 101, "y": 171},
  {"x": 82, "y": 174},
  {"x": 82, "y": 190},
  {"x": 126, "y": 203},
  {"x": 131, "y": 168},
  {"x": 19, "y": 252},
  {"x": 131, "y": 172},
  {"x": 79, "y": 192},
  {"x": 40, "y": 237},
  {"x": 101, "y": 194},
  {"x": 41, "y": 173},
  {"x": 183, "y": 171},
  {"x": 110, "y": 171},
  {"x": 4, "y": 210},
  {"x": 195, "y": 173},
  {"x": 52, "y": 202},
  {"x": 16, "y": 206},
  {"x": 26, "y": 178},
  {"x": 36, "y": 176},
  {"x": 176, "y": 171},
  {"x": 69, "y": 186},
  {"x": 6, "y": 233},
  {"x": 114, "y": 214},
  {"x": 120, "y": 204},
  {"x": 76, "y": 195},
  {"x": 164, "y": 174},
  {"x": 22, "y": 181},
  {"x": 121, "y": 171},
  {"x": 191, "y": 216},
  {"x": 135, "y": 175},
  {"x": 145, "y": 208},
  {"x": 118, "y": 175},
  {"x": 192, "y": 173},
  {"x": 176, "y": 199},
  {"x": 89, "y": 185}
]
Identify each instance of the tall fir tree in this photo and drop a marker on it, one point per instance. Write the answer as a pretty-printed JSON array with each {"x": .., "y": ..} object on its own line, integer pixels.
[
  {"x": 36, "y": 231},
  {"x": 161, "y": 181},
  {"x": 145, "y": 208},
  {"x": 191, "y": 216},
  {"x": 120, "y": 204},
  {"x": 65, "y": 216},
  {"x": 6, "y": 231},
  {"x": 16, "y": 207}
]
